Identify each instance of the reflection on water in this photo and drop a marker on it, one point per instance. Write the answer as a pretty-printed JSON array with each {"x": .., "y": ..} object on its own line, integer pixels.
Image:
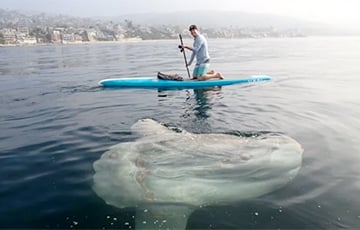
[
  {"x": 197, "y": 105},
  {"x": 204, "y": 99}
]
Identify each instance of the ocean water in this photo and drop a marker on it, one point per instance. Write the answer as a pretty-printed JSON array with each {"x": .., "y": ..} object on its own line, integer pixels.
[{"x": 55, "y": 122}]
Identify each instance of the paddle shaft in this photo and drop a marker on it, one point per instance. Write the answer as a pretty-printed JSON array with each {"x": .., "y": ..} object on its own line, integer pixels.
[{"x": 183, "y": 51}]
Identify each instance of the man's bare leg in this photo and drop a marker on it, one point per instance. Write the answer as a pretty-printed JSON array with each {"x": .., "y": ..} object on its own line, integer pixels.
[{"x": 211, "y": 75}]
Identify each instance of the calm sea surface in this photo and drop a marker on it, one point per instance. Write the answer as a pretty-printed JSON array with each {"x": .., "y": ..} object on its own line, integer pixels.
[{"x": 55, "y": 122}]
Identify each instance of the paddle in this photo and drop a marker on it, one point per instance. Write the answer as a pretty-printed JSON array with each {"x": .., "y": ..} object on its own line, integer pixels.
[{"x": 183, "y": 51}]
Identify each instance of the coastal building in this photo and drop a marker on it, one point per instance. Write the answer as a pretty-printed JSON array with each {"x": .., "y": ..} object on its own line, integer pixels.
[
  {"x": 119, "y": 36},
  {"x": 28, "y": 40},
  {"x": 71, "y": 38},
  {"x": 90, "y": 35},
  {"x": 56, "y": 36},
  {"x": 68, "y": 38},
  {"x": 9, "y": 36}
]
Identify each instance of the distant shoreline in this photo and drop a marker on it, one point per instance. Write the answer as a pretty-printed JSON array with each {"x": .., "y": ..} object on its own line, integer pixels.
[
  {"x": 131, "y": 40},
  {"x": 74, "y": 43},
  {"x": 136, "y": 40}
]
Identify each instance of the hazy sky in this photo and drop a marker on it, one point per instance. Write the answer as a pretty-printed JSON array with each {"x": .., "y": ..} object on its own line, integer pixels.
[{"x": 339, "y": 12}]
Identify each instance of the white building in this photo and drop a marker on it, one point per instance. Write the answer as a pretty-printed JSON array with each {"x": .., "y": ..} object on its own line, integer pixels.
[{"x": 9, "y": 36}]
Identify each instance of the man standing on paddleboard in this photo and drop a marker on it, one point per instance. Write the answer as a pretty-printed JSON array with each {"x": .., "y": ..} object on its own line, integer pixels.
[{"x": 200, "y": 51}]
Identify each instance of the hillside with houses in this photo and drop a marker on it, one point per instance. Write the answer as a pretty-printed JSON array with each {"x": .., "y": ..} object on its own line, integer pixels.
[{"x": 21, "y": 29}]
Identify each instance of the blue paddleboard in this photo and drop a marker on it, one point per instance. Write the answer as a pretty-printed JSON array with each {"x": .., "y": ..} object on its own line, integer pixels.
[{"x": 149, "y": 82}]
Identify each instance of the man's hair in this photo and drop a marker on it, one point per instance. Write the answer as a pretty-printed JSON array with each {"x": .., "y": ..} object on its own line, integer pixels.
[{"x": 193, "y": 27}]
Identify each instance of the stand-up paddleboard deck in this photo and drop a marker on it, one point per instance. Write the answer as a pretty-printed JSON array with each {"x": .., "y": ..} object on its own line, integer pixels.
[{"x": 149, "y": 82}]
